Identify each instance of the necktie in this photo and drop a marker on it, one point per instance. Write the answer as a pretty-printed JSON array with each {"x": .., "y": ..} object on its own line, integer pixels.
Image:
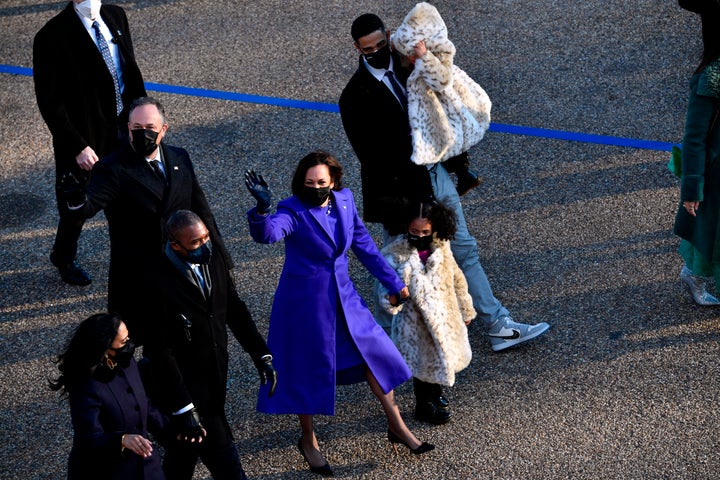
[
  {"x": 397, "y": 89},
  {"x": 201, "y": 279},
  {"x": 155, "y": 164},
  {"x": 105, "y": 52}
]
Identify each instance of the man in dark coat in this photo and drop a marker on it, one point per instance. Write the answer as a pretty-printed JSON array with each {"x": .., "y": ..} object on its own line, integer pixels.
[
  {"x": 137, "y": 201},
  {"x": 82, "y": 98},
  {"x": 195, "y": 302},
  {"x": 373, "y": 110}
]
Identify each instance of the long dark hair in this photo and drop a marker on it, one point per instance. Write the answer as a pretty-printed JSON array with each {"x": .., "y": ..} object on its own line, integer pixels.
[
  {"x": 442, "y": 219},
  {"x": 313, "y": 159},
  {"x": 84, "y": 351}
]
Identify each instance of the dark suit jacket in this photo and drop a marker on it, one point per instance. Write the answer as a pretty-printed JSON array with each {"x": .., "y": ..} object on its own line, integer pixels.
[
  {"x": 137, "y": 206},
  {"x": 102, "y": 411},
  {"x": 379, "y": 131},
  {"x": 74, "y": 87},
  {"x": 194, "y": 369}
]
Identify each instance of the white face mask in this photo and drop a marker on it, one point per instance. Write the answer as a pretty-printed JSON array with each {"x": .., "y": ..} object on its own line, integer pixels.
[{"x": 89, "y": 8}]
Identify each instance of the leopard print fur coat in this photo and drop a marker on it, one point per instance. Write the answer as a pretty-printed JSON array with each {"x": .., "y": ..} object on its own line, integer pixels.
[
  {"x": 429, "y": 328},
  {"x": 449, "y": 112}
]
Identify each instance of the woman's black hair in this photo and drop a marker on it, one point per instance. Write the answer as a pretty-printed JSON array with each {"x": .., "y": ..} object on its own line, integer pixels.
[
  {"x": 442, "y": 218},
  {"x": 85, "y": 350},
  {"x": 313, "y": 159}
]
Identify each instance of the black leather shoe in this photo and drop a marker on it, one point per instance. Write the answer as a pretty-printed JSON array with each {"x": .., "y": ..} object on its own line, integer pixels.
[
  {"x": 429, "y": 412},
  {"x": 74, "y": 274},
  {"x": 419, "y": 450},
  {"x": 323, "y": 470}
]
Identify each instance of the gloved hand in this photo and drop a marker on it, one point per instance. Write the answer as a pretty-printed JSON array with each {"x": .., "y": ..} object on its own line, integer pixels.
[
  {"x": 189, "y": 427},
  {"x": 267, "y": 373},
  {"x": 259, "y": 189},
  {"x": 71, "y": 190}
]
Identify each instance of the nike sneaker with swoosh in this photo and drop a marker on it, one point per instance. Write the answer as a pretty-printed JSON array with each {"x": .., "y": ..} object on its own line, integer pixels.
[{"x": 505, "y": 333}]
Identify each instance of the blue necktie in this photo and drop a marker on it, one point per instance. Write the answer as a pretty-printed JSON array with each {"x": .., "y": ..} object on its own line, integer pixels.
[
  {"x": 105, "y": 52},
  {"x": 397, "y": 89},
  {"x": 200, "y": 278}
]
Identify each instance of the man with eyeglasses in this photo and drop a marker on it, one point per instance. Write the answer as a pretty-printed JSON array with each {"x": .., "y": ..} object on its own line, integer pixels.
[{"x": 373, "y": 107}]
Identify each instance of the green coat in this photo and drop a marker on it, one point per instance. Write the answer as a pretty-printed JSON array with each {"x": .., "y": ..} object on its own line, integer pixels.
[{"x": 700, "y": 178}]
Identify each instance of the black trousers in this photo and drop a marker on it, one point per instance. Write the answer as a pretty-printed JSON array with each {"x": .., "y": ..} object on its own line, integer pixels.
[{"x": 217, "y": 451}]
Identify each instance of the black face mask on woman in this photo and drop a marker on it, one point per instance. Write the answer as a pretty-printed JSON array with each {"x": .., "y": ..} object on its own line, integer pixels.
[
  {"x": 144, "y": 141},
  {"x": 314, "y": 196},
  {"x": 124, "y": 354},
  {"x": 421, "y": 243},
  {"x": 380, "y": 58}
]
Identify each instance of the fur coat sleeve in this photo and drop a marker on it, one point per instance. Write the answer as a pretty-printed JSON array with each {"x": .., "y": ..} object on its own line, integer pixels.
[
  {"x": 449, "y": 112},
  {"x": 429, "y": 329}
]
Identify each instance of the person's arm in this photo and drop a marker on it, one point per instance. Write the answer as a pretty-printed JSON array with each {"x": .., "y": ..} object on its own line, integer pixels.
[
  {"x": 435, "y": 67},
  {"x": 694, "y": 146},
  {"x": 86, "y": 412},
  {"x": 271, "y": 228},
  {"x": 245, "y": 331},
  {"x": 101, "y": 190},
  {"x": 367, "y": 252},
  {"x": 48, "y": 66},
  {"x": 467, "y": 310}
]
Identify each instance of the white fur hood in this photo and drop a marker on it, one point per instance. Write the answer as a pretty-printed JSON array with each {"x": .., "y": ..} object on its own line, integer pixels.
[{"x": 449, "y": 112}]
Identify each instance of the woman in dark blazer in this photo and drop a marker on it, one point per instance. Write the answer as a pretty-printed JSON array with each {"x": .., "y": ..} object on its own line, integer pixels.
[
  {"x": 111, "y": 416},
  {"x": 321, "y": 331}
]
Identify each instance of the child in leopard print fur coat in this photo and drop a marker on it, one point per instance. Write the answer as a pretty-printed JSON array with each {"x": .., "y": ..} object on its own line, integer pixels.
[{"x": 430, "y": 328}]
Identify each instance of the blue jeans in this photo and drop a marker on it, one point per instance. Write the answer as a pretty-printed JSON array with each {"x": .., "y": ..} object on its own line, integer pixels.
[{"x": 465, "y": 251}]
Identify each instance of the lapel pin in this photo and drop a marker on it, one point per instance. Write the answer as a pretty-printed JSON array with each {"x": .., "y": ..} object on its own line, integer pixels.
[{"x": 175, "y": 167}]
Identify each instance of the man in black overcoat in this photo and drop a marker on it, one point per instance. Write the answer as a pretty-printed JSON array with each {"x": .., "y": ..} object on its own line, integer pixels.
[{"x": 82, "y": 106}]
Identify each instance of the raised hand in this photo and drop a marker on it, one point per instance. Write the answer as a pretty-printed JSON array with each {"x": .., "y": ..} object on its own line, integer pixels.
[{"x": 258, "y": 188}]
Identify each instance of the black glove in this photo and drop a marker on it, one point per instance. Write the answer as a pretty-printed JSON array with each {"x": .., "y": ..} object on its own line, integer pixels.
[
  {"x": 188, "y": 426},
  {"x": 71, "y": 190},
  {"x": 267, "y": 373},
  {"x": 259, "y": 189}
]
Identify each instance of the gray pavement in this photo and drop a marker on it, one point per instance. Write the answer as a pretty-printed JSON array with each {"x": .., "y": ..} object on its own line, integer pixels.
[{"x": 577, "y": 234}]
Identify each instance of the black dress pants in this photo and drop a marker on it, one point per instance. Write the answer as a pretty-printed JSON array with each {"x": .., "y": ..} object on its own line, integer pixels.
[{"x": 217, "y": 451}]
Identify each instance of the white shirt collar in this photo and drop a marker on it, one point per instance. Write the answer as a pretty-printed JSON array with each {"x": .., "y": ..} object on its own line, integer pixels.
[
  {"x": 157, "y": 156},
  {"x": 378, "y": 73}
]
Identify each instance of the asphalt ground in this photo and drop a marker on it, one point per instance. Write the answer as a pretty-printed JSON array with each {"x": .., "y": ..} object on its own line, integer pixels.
[{"x": 571, "y": 232}]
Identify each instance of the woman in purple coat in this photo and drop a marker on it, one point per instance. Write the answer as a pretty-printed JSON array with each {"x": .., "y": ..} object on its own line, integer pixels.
[
  {"x": 321, "y": 331},
  {"x": 111, "y": 415}
]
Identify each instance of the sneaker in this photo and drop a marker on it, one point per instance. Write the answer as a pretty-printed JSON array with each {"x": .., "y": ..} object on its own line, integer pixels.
[{"x": 505, "y": 333}]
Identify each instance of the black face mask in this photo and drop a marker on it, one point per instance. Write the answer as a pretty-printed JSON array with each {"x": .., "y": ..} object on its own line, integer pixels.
[
  {"x": 200, "y": 255},
  {"x": 314, "y": 196},
  {"x": 124, "y": 354},
  {"x": 421, "y": 243},
  {"x": 379, "y": 58},
  {"x": 144, "y": 141}
]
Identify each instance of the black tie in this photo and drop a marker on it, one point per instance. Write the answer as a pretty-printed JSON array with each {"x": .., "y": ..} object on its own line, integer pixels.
[
  {"x": 397, "y": 89},
  {"x": 155, "y": 164}
]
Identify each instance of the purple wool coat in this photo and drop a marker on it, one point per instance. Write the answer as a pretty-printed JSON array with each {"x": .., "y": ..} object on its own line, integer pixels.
[{"x": 314, "y": 286}]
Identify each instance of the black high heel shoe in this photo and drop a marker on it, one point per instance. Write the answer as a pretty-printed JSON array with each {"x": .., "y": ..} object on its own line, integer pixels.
[
  {"x": 325, "y": 470},
  {"x": 424, "y": 447}
]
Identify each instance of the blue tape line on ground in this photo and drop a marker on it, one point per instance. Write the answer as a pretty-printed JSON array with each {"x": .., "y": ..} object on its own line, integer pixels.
[{"x": 333, "y": 108}]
